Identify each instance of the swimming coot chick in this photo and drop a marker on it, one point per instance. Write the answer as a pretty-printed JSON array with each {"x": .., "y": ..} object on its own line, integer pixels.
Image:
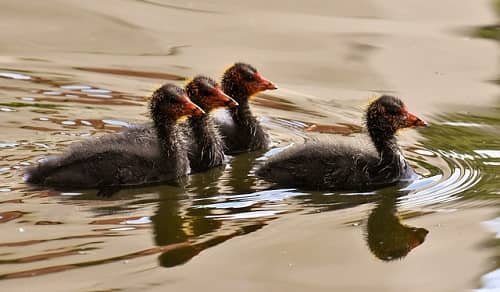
[
  {"x": 205, "y": 146},
  {"x": 136, "y": 156},
  {"x": 243, "y": 132},
  {"x": 322, "y": 166}
]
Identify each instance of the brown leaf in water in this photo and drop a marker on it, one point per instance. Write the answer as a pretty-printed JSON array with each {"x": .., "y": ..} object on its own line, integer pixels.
[
  {"x": 113, "y": 220},
  {"x": 46, "y": 222},
  {"x": 10, "y": 215},
  {"x": 42, "y": 129},
  {"x": 269, "y": 101},
  {"x": 334, "y": 129}
]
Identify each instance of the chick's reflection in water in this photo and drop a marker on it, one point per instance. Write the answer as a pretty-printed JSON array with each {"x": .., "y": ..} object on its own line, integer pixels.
[
  {"x": 387, "y": 238},
  {"x": 182, "y": 223},
  {"x": 174, "y": 222}
]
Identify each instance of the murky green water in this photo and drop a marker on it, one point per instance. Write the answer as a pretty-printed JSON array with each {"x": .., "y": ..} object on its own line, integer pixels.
[{"x": 53, "y": 96}]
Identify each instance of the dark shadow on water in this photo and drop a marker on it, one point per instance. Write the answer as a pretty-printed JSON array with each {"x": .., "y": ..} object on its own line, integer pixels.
[
  {"x": 387, "y": 238},
  {"x": 238, "y": 177},
  {"x": 207, "y": 209},
  {"x": 181, "y": 221}
]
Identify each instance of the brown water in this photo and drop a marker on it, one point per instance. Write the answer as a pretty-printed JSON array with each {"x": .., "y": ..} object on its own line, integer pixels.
[{"x": 72, "y": 70}]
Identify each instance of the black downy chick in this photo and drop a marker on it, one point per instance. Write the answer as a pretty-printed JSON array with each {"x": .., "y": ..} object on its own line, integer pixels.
[
  {"x": 137, "y": 156},
  {"x": 323, "y": 166}
]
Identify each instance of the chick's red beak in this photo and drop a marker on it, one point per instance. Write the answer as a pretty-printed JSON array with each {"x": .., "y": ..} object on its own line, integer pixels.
[
  {"x": 414, "y": 121},
  {"x": 192, "y": 109},
  {"x": 224, "y": 99},
  {"x": 264, "y": 84}
]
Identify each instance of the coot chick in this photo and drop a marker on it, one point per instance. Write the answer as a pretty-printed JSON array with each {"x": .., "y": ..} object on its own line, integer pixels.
[
  {"x": 322, "y": 166},
  {"x": 243, "y": 132},
  {"x": 206, "y": 147},
  {"x": 137, "y": 156}
]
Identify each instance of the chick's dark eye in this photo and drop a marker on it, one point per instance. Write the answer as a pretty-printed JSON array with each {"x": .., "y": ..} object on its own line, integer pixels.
[
  {"x": 249, "y": 77},
  {"x": 205, "y": 90},
  {"x": 393, "y": 110}
]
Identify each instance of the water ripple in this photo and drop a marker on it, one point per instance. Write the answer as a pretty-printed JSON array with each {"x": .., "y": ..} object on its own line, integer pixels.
[
  {"x": 462, "y": 174},
  {"x": 458, "y": 173}
]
